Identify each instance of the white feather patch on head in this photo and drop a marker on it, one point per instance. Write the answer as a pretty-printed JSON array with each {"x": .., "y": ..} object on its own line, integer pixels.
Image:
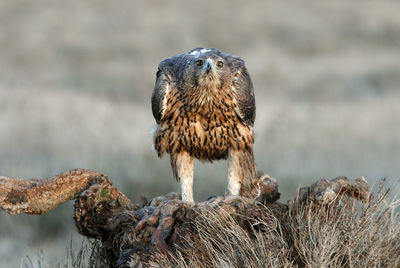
[{"x": 197, "y": 52}]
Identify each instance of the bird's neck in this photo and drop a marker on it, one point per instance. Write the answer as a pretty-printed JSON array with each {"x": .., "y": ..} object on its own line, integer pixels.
[
  {"x": 203, "y": 95},
  {"x": 204, "y": 99}
]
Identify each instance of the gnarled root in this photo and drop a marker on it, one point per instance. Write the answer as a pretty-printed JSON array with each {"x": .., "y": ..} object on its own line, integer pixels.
[{"x": 39, "y": 196}]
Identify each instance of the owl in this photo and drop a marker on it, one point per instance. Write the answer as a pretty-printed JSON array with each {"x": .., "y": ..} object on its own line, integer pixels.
[{"x": 204, "y": 106}]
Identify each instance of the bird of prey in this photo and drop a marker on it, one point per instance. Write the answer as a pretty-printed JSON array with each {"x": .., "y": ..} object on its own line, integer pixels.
[{"x": 204, "y": 106}]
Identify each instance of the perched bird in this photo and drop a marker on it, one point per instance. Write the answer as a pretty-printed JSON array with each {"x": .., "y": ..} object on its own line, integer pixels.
[{"x": 204, "y": 106}]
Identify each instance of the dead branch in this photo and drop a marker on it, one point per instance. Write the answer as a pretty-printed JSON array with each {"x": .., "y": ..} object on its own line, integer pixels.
[
  {"x": 132, "y": 233},
  {"x": 39, "y": 196}
]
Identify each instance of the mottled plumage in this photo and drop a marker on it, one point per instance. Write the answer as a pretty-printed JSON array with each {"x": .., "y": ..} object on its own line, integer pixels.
[{"x": 204, "y": 106}]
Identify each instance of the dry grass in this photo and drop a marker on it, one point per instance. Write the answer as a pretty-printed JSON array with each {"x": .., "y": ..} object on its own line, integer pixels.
[
  {"x": 348, "y": 235},
  {"x": 87, "y": 255}
]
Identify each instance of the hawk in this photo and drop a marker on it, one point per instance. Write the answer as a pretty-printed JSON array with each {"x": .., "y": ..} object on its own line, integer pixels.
[{"x": 204, "y": 106}]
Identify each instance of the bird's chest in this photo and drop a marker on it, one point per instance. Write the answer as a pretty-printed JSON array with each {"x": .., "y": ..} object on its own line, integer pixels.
[
  {"x": 211, "y": 116},
  {"x": 206, "y": 128},
  {"x": 211, "y": 119}
]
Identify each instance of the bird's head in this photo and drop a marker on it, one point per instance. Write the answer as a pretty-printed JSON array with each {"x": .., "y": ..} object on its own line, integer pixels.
[{"x": 209, "y": 69}]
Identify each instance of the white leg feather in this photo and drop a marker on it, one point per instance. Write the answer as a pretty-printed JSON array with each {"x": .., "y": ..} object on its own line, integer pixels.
[
  {"x": 185, "y": 173},
  {"x": 187, "y": 189},
  {"x": 234, "y": 174}
]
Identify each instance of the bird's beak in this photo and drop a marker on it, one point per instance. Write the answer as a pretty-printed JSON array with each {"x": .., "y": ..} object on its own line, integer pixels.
[{"x": 208, "y": 66}]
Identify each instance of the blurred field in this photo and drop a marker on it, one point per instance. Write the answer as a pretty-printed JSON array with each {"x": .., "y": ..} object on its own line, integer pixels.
[{"x": 76, "y": 79}]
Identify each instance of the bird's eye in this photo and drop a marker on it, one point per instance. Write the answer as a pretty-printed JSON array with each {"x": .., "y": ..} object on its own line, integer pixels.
[
  {"x": 199, "y": 63},
  {"x": 220, "y": 64}
]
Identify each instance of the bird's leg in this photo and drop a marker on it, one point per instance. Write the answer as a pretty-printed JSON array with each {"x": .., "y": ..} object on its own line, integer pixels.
[
  {"x": 183, "y": 167},
  {"x": 241, "y": 171},
  {"x": 233, "y": 174}
]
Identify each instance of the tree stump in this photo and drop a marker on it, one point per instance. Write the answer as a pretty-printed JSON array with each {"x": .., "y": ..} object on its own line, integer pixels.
[{"x": 132, "y": 234}]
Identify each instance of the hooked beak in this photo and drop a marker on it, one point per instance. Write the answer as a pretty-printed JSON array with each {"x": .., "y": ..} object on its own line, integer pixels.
[{"x": 208, "y": 67}]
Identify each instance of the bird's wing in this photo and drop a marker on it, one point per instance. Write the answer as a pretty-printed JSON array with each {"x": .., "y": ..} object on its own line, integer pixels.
[
  {"x": 158, "y": 98},
  {"x": 169, "y": 75},
  {"x": 243, "y": 87},
  {"x": 166, "y": 78}
]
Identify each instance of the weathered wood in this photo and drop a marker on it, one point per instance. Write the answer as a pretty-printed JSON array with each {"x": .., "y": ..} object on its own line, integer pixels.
[
  {"x": 326, "y": 191},
  {"x": 39, "y": 196},
  {"x": 132, "y": 233}
]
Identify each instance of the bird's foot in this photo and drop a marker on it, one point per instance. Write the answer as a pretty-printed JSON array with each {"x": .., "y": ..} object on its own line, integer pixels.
[
  {"x": 263, "y": 189},
  {"x": 229, "y": 193},
  {"x": 189, "y": 202},
  {"x": 156, "y": 201}
]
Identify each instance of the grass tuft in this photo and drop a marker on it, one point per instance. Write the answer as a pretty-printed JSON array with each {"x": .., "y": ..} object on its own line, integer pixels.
[{"x": 348, "y": 234}]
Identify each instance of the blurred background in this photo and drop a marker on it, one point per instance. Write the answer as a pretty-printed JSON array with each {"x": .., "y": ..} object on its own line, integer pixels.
[{"x": 76, "y": 79}]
